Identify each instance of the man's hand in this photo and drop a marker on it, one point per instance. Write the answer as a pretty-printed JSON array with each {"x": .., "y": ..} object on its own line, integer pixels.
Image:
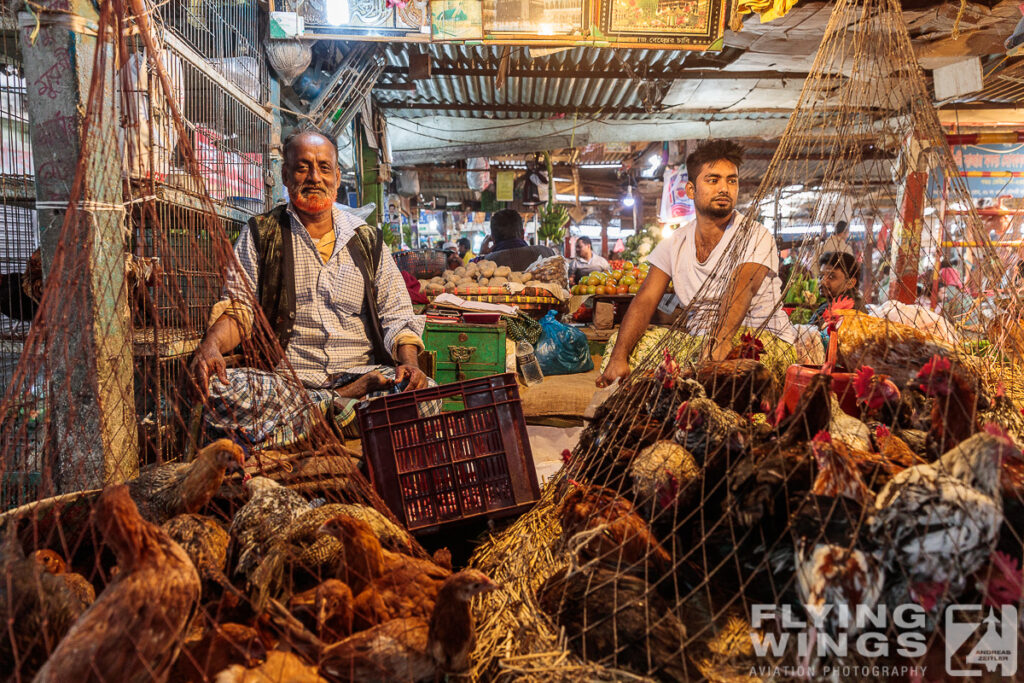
[
  {"x": 616, "y": 369},
  {"x": 367, "y": 383},
  {"x": 718, "y": 350},
  {"x": 206, "y": 362},
  {"x": 417, "y": 380}
]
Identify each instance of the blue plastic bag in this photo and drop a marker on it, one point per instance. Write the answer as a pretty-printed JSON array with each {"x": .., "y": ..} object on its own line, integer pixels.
[{"x": 562, "y": 350}]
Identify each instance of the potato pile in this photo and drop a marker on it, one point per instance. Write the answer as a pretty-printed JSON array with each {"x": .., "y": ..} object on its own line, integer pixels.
[{"x": 470, "y": 278}]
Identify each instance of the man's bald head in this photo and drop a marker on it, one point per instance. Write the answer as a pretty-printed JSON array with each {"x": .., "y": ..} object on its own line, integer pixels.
[{"x": 302, "y": 138}]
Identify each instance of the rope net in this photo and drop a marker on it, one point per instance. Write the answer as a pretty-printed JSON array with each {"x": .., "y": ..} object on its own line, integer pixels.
[
  {"x": 277, "y": 534},
  {"x": 740, "y": 520}
]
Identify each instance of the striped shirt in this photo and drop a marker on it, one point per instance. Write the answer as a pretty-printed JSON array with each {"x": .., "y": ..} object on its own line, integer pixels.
[{"x": 329, "y": 337}]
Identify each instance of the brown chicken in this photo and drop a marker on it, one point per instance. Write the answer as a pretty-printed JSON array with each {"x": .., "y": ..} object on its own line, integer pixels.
[
  {"x": 617, "y": 619},
  {"x": 326, "y": 610},
  {"x": 954, "y": 415},
  {"x": 280, "y": 667},
  {"x": 36, "y": 610},
  {"x": 206, "y": 543},
  {"x": 608, "y": 528},
  {"x": 222, "y": 646},
  {"x": 741, "y": 384},
  {"x": 53, "y": 563},
  {"x": 386, "y": 585},
  {"x": 894, "y": 449},
  {"x": 135, "y": 626},
  {"x": 175, "y": 489},
  {"x": 413, "y": 649},
  {"x": 300, "y": 556},
  {"x": 890, "y": 348}
]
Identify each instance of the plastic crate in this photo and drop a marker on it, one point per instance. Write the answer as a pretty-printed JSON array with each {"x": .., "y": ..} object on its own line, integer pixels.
[{"x": 434, "y": 470}]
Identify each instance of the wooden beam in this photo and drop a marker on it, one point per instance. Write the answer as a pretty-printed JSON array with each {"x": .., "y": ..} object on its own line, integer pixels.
[
  {"x": 507, "y": 108},
  {"x": 441, "y": 155},
  {"x": 451, "y": 69}
]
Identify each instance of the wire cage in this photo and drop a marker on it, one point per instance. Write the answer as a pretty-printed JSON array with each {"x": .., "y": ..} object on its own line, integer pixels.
[
  {"x": 226, "y": 33},
  {"x": 19, "y": 230},
  {"x": 229, "y": 132}
]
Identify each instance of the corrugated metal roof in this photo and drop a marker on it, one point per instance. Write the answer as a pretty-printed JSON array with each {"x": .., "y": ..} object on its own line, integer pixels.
[{"x": 626, "y": 93}]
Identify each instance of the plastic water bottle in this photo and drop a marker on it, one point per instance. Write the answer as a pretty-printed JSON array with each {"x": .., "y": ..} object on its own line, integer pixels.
[{"x": 528, "y": 365}]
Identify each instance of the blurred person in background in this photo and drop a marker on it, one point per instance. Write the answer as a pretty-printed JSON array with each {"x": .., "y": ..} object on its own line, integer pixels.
[{"x": 586, "y": 261}]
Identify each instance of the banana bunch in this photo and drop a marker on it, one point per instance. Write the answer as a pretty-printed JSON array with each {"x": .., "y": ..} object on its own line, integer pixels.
[
  {"x": 552, "y": 220},
  {"x": 803, "y": 289}
]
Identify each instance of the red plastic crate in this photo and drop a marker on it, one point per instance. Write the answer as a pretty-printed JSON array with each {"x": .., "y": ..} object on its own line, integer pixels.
[{"x": 448, "y": 467}]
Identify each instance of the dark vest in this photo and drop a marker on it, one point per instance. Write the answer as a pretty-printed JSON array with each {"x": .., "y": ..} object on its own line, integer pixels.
[{"x": 275, "y": 286}]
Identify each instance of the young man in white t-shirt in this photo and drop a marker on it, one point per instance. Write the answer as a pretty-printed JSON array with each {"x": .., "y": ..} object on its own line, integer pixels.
[{"x": 696, "y": 259}]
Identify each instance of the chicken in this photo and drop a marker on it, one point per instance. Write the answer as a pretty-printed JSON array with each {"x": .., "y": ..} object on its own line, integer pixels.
[
  {"x": 760, "y": 484},
  {"x": 280, "y": 667},
  {"x": 938, "y": 522},
  {"x": 874, "y": 468},
  {"x": 741, "y": 384},
  {"x": 413, "y": 649},
  {"x": 270, "y": 508},
  {"x": 165, "y": 491},
  {"x": 442, "y": 557},
  {"x": 451, "y": 636},
  {"x": 879, "y": 398},
  {"x": 386, "y": 584},
  {"x": 847, "y": 428},
  {"x": 890, "y": 348},
  {"x": 894, "y": 449},
  {"x": 205, "y": 541},
  {"x": 954, "y": 410},
  {"x": 1011, "y": 482},
  {"x": 300, "y": 556},
  {"x": 136, "y": 624},
  {"x": 812, "y": 414},
  {"x": 222, "y": 646},
  {"x": 660, "y": 473},
  {"x": 1001, "y": 583},
  {"x": 54, "y": 564},
  {"x": 36, "y": 609},
  {"x": 664, "y": 396},
  {"x": 831, "y": 571},
  {"x": 326, "y": 610},
  {"x": 618, "y": 620},
  {"x": 708, "y": 431},
  {"x": 603, "y": 525}
]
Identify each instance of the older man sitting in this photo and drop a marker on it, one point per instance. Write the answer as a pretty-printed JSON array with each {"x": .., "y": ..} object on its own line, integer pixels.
[{"x": 332, "y": 295}]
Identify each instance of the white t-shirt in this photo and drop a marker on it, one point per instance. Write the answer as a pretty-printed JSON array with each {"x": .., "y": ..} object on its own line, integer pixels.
[{"x": 677, "y": 256}]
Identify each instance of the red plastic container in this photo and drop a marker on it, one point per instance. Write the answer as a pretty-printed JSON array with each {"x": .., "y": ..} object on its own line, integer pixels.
[
  {"x": 434, "y": 470},
  {"x": 798, "y": 377}
]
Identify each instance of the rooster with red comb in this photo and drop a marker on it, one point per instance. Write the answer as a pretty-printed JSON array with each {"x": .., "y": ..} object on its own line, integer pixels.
[{"x": 954, "y": 406}]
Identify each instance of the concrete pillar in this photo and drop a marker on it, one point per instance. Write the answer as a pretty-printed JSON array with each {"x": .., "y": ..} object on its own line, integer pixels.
[{"x": 93, "y": 434}]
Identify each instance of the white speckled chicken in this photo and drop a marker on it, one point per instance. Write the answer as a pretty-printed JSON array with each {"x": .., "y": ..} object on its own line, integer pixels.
[{"x": 938, "y": 522}]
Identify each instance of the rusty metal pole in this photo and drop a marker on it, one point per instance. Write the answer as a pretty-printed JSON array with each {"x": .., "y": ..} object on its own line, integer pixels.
[
  {"x": 93, "y": 424},
  {"x": 903, "y": 285}
]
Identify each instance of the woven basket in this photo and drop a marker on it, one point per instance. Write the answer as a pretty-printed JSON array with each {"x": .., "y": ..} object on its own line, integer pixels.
[{"x": 423, "y": 264}]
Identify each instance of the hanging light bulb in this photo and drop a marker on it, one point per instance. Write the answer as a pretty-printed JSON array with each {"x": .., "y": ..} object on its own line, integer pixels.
[{"x": 628, "y": 201}]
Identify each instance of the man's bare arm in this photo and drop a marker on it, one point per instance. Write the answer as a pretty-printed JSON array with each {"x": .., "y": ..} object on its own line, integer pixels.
[
  {"x": 223, "y": 335},
  {"x": 633, "y": 326}
]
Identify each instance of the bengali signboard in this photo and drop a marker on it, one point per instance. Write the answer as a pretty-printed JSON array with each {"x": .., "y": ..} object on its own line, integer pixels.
[
  {"x": 670, "y": 24},
  {"x": 991, "y": 171}
]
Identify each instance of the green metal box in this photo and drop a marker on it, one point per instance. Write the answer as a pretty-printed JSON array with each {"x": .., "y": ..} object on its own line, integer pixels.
[{"x": 466, "y": 351}]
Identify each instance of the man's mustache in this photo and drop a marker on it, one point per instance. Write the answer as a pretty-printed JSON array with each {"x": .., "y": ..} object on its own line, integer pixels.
[{"x": 318, "y": 188}]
